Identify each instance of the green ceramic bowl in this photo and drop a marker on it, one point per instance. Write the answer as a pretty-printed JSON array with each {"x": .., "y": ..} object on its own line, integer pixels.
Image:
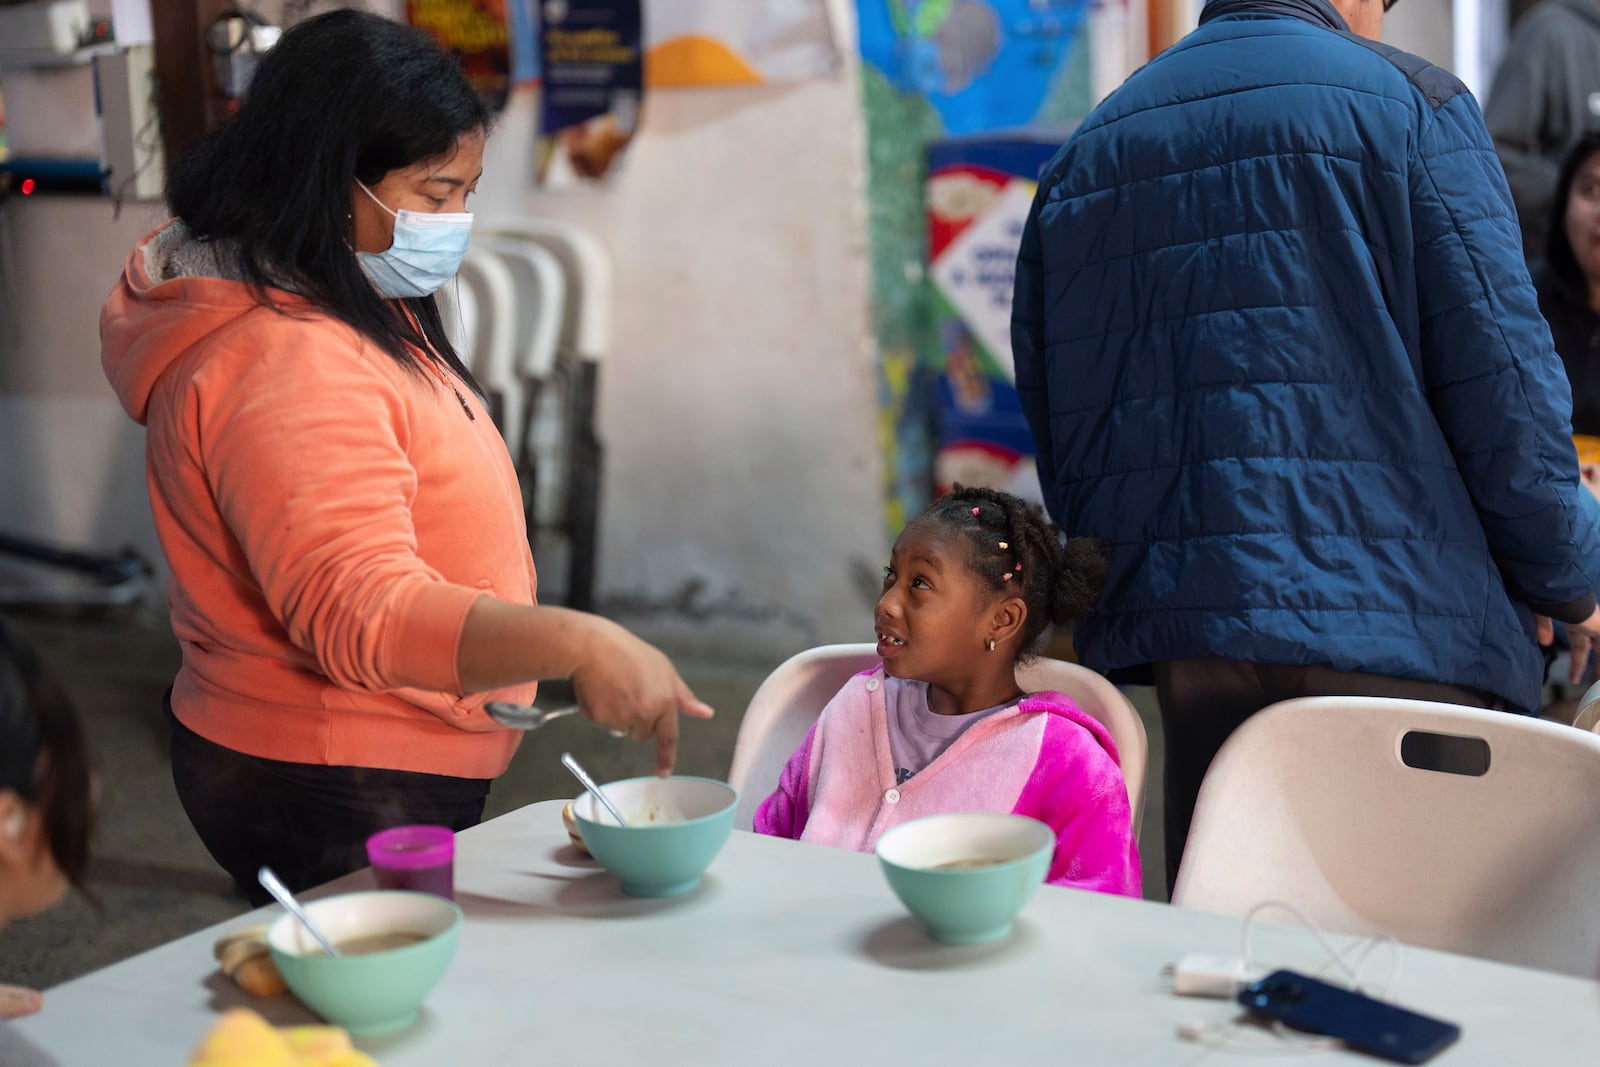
[
  {"x": 371, "y": 993},
  {"x": 966, "y": 876},
  {"x": 676, "y": 827}
]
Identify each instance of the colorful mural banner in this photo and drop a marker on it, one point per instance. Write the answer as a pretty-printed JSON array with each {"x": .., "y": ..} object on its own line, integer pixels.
[
  {"x": 478, "y": 34},
  {"x": 692, "y": 43},
  {"x": 738, "y": 42},
  {"x": 935, "y": 71},
  {"x": 592, "y": 58}
]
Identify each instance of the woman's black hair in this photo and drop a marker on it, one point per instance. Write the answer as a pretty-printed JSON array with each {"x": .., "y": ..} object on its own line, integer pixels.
[
  {"x": 1558, "y": 256},
  {"x": 44, "y": 756},
  {"x": 1058, "y": 581},
  {"x": 343, "y": 97}
]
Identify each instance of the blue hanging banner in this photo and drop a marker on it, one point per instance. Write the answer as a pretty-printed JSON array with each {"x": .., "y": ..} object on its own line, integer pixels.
[{"x": 592, "y": 56}]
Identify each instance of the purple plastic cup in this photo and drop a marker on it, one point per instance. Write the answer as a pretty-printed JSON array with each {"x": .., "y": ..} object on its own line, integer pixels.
[{"x": 420, "y": 858}]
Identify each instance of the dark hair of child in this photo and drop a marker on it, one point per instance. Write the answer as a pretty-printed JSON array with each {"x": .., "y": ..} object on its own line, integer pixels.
[
  {"x": 1058, "y": 581},
  {"x": 44, "y": 756}
]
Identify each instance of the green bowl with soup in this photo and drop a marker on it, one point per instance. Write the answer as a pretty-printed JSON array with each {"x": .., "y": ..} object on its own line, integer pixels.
[
  {"x": 966, "y": 876},
  {"x": 395, "y": 945},
  {"x": 676, "y": 827}
]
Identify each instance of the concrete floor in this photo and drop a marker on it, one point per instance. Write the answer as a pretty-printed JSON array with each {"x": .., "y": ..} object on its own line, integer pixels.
[{"x": 152, "y": 879}]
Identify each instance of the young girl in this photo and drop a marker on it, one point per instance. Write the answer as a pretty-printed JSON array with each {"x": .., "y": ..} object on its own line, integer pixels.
[
  {"x": 46, "y": 797},
  {"x": 941, "y": 725}
]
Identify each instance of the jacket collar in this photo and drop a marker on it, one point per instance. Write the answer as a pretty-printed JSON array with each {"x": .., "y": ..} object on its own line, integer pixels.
[{"x": 1317, "y": 12}]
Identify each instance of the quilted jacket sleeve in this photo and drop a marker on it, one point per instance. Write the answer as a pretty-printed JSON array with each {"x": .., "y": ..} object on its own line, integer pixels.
[
  {"x": 1495, "y": 383},
  {"x": 1027, "y": 350}
]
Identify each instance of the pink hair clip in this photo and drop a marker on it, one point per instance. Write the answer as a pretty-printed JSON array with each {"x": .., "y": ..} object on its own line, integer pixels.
[
  {"x": 1019, "y": 566},
  {"x": 1006, "y": 577},
  {"x": 974, "y": 511}
]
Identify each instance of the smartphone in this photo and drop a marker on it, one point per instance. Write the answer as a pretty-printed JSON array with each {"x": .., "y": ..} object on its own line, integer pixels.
[{"x": 1364, "y": 1024}]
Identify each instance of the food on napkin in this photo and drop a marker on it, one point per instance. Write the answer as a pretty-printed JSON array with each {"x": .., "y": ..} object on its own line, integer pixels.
[
  {"x": 243, "y": 956},
  {"x": 242, "y": 1038}
]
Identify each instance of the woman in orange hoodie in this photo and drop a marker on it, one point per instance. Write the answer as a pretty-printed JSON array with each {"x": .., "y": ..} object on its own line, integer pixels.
[{"x": 351, "y": 579}]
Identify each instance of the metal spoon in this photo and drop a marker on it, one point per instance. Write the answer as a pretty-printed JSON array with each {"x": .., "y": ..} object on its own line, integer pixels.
[
  {"x": 525, "y": 716},
  {"x": 588, "y": 783},
  {"x": 281, "y": 894},
  {"x": 530, "y": 717}
]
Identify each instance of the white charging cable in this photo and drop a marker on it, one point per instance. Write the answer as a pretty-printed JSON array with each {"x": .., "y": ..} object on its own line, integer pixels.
[{"x": 1207, "y": 975}]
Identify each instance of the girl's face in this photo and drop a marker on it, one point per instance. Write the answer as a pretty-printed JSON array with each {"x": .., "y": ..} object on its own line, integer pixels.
[
  {"x": 32, "y": 881},
  {"x": 932, "y": 615},
  {"x": 1583, "y": 218},
  {"x": 433, "y": 186}
]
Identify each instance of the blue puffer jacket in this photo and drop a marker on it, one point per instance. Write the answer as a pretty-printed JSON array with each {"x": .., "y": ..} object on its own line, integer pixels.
[{"x": 1278, "y": 348}]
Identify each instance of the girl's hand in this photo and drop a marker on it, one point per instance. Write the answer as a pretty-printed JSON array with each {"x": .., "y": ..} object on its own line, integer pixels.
[{"x": 623, "y": 683}]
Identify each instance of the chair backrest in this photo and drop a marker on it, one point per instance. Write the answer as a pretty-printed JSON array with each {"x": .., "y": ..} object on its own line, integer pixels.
[
  {"x": 1453, "y": 828},
  {"x": 491, "y": 338},
  {"x": 1588, "y": 717},
  {"x": 792, "y": 697},
  {"x": 1095, "y": 694},
  {"x": 540, "y": 302},
  {"x": 781, "y": 712},
  {"x": 586, "y": 325}
]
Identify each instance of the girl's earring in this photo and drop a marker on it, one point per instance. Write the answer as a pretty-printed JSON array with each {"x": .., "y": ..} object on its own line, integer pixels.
[{"x": 990, "y": 644}]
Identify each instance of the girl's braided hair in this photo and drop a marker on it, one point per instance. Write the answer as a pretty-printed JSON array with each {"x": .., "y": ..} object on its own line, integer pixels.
[{"x": 1058, "y": 580}]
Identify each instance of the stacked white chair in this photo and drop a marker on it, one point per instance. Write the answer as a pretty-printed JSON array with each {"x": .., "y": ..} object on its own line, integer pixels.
[
  {"x": 563, "y": 459},
  {"x": 486, "y": 294}
]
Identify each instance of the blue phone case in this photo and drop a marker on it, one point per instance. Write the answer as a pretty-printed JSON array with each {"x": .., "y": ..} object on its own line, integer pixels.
[{"x": 1361, "y": 1022}]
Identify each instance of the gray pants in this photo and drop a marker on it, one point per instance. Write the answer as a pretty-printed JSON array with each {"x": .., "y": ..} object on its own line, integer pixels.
[{"x": 1204, "y": 700}]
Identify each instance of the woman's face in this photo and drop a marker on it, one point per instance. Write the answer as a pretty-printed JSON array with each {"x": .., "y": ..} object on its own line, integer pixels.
[
  {"x": 433, "y": 186},
  {"x": 1583, "y": 218}
]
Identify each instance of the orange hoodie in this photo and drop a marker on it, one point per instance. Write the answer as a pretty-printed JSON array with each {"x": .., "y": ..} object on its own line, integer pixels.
[{"x": 329, "y": 519}]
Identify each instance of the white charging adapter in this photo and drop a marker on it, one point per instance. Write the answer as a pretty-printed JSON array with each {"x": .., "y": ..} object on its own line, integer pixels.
[{"x": 1200, "y": 974}]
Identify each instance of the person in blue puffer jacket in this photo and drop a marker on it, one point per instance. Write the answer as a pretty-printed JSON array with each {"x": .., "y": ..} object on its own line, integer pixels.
[{"x": 1278, "y": 349}]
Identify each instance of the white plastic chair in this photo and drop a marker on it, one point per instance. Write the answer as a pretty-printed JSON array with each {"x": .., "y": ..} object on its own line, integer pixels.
[
  {"x": 585, "y": 342},
  {"x": 781, "y": 712},
  {"x": 488, "y": 320},
  {"x": 1588, "y": 717},
  {"x": 1095, "y": 694},
  {"x": 792, "y": 697},
  {"x": 1371, "y": 816},
  {"x": 540, "y": 310}
]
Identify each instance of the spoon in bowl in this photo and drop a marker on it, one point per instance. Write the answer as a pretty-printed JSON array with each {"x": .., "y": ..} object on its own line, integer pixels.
[
  {"x": 588, "y": 783},
  {"x": 281, "y": 894}
]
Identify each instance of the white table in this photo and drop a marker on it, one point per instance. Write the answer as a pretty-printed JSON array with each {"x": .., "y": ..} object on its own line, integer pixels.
[{"x": 792, "y": 953}]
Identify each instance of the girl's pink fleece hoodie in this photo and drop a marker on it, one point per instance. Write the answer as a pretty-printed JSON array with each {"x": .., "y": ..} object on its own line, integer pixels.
[{"x": 1043, "y": 758}]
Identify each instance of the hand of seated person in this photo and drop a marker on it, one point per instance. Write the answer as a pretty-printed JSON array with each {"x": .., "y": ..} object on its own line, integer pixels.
[{"x": 15, "y": 1001}]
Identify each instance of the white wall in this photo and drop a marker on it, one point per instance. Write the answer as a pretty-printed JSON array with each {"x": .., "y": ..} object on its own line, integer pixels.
[
  {"x": 1424, "y": 28},
  {"x": 71, "y": 463},
  {"x": 744, "y": 475},
  {"x": 743, "y": 489}
]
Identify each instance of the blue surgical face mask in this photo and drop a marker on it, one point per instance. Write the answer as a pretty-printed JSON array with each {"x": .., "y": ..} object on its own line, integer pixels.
[{"x": 426, "y": 251}]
